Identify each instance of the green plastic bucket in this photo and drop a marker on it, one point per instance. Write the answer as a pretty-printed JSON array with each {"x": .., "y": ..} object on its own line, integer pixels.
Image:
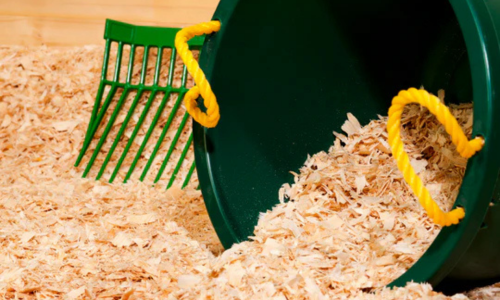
[{"x": 286, "y": 73}]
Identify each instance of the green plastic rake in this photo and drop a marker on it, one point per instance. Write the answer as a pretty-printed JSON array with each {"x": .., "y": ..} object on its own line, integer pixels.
[{"x": 147, "y": 38}]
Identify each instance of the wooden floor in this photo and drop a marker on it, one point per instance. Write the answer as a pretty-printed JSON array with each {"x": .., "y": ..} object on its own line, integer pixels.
[{"x": 81, "y": 22}]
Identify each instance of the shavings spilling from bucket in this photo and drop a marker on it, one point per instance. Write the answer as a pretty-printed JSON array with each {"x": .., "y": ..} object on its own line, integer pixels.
[
  {"x": 351, "y": 224},
  {"x": 62, "y": 236}
]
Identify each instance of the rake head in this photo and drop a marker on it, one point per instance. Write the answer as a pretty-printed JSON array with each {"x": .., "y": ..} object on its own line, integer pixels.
[{"x": 139, "y": 100}]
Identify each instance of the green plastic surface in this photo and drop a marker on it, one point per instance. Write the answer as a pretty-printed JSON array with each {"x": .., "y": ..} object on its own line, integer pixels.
[
  {"x": 286, "y": 75},
  {"x": 147, "y": 37}
]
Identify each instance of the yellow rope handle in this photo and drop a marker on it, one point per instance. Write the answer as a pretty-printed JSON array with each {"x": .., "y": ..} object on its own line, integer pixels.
[
  {"x": 212, "y": 116},
  {"x": 465, "y": 147}
]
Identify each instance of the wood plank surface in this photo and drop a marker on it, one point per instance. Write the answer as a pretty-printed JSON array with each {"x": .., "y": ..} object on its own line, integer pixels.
[{"x": 81, "y": 22}]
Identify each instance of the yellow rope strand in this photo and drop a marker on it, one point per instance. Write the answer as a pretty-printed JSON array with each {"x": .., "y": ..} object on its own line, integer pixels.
[
  {"x": 212, "y": 116},
  {"x": 465, "y": 147}
]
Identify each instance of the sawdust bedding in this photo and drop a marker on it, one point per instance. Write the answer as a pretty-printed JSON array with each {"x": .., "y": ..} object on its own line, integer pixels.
[{"x": 350, "y": 225}]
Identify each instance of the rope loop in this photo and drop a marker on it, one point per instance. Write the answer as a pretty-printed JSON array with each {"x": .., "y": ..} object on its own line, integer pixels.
[
  {"x": 203, "y": 88},
  {"x": 465, "y": 147}
]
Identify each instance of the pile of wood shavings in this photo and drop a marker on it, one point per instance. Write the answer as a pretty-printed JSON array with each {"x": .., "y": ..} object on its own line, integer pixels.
[
  {"x": 352, "y": 224},
  {"x": 62, "y": 236}
]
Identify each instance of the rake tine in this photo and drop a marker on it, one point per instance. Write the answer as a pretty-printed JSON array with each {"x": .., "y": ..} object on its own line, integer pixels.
[
  {"x": 120, "y": 132},
  {"x": 131, "y": 64},
  {"x": 153, "y": 124},
  {"x": 144, "y": 64},
  {"x": 106, "y": 131},
  {"x": 98, "y": 98},
  {"x": 95, "y": 125},
  {"x": 118, "y": 65},
  {"x": 179, "y": 163},
  {"x": 158, "y": 65},
  {"x": 167, "y": 126},
  {"x": 189, "y": 174},
  {"x": 172, "y": 146},
  {"x": 100, "y": 90}
]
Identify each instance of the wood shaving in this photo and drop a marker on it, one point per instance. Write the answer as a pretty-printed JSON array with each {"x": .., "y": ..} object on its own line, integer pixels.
[
  {"x": 350, "y": 226},
  {"x": 489, "y": 292}
]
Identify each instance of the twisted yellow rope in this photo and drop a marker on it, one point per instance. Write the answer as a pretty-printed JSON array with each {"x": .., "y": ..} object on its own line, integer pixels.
[
  {"x": 465, "y": 147},
  {"x": 212, "y": 116}
]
